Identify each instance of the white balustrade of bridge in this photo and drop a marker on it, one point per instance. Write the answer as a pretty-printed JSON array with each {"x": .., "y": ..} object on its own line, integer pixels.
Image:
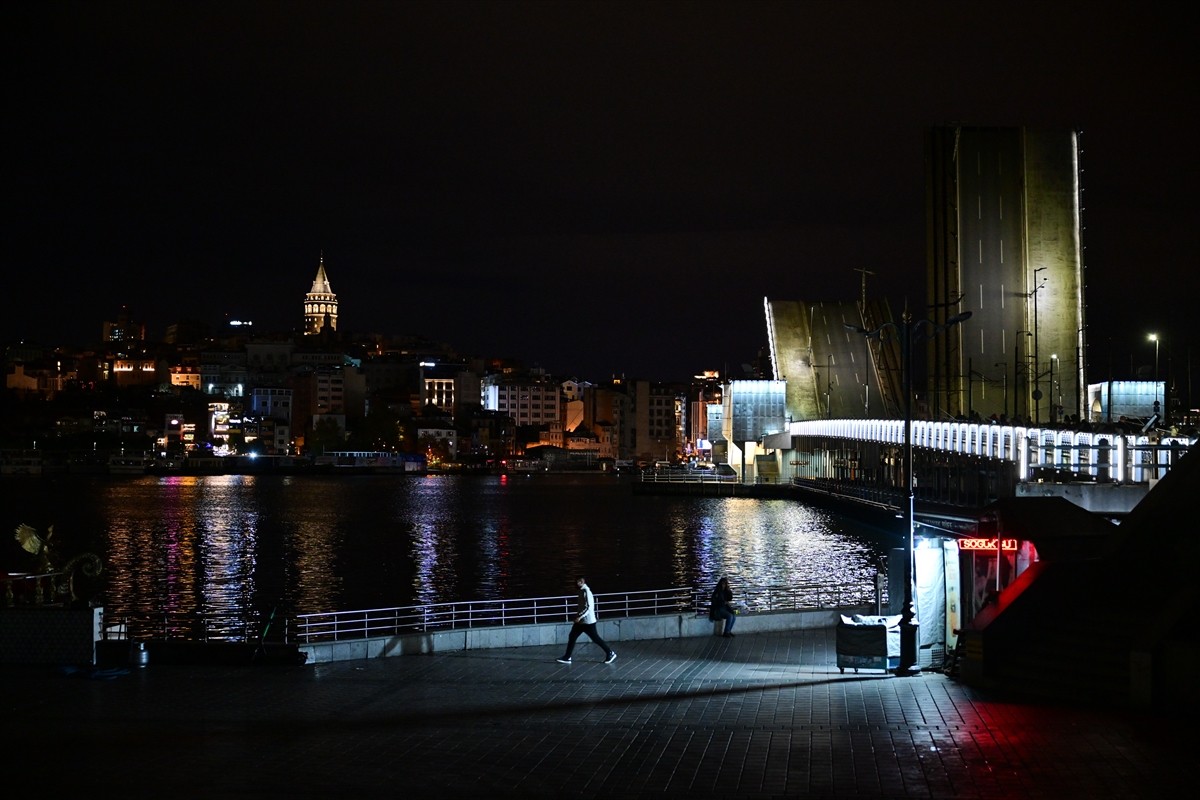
[{"x": 1107, "y": 456}]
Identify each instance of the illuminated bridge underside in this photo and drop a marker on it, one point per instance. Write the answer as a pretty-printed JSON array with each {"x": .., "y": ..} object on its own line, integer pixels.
[{"x": 966, "y": 465}]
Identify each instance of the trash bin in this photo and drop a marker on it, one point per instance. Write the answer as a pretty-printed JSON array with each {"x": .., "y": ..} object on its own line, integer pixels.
[{"x": 868, "y": 642}]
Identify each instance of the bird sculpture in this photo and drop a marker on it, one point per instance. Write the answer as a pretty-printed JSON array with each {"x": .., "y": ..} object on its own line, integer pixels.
[
  {"x": 42, "y": 548},
  {"x": 62, "y": 577}
]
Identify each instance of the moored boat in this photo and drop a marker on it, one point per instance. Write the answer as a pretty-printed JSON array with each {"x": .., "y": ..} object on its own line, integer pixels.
[{"x": 130, "y": 464}]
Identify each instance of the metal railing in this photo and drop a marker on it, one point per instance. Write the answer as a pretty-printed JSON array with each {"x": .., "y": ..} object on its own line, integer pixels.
[
  {"x": 343, "y": 625},
  {"x": 248, "y": 626},
  {"x": 795, "y": 597},
  {"x": 35, "y": 590},
  {"x": 339, "y": 625},
  {"x": 685, "y": 476},
  {"x": 272, "y": 626}
]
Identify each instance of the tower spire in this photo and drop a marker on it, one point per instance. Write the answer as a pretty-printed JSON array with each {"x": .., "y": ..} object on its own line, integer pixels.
[{"x": 320, "y": 304}]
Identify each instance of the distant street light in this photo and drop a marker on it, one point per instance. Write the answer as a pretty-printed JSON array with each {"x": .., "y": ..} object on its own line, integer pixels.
[{"x": 907, "y": 330}]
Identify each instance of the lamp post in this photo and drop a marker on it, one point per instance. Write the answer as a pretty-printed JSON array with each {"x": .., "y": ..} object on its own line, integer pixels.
[
  {"x": 907, "y": 330},
  {"x": 1053, "y": 415},
  {"x": 1004, "y": 376},
  {"x": 1154, "y": 338},
  {"x": 1016, "y": 375},
  {"x": 1037, "y": 365}
]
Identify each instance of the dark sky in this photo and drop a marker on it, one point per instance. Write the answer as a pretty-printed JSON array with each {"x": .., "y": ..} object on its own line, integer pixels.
[{"x": 597, "y": 188}]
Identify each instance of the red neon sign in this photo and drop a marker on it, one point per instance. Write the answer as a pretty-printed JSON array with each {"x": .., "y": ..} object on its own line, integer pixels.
[{"x": 986, "y": 544}]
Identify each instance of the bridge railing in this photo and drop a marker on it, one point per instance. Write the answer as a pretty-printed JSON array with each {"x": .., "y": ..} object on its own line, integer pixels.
[{"x": 1105, "y": 456}]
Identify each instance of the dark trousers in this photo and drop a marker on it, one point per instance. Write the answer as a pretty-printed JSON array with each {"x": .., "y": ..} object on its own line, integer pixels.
[
  {"x": 590, "y": 629},
  {"x": 727, "y": 615}
]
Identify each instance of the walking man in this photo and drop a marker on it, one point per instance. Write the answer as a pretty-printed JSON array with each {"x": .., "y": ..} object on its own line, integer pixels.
[{"x": 585, "y": 622}]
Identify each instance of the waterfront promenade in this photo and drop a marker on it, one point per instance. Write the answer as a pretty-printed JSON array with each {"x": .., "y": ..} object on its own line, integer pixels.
[{"x": 761, "y": 715}]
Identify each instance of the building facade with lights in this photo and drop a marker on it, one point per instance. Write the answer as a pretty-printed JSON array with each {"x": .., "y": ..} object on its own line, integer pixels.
[{"x": 533, "y": 398}]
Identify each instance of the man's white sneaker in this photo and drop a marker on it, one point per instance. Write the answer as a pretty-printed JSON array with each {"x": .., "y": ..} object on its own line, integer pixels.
[
  {"x": 612, "y": 656},
  {"x": 564, "y": 661}
]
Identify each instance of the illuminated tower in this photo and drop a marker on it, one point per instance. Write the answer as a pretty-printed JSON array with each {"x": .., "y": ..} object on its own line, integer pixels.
[
  {"x": 320, "y": 304},
  {"x": 1003, "y": 238}
]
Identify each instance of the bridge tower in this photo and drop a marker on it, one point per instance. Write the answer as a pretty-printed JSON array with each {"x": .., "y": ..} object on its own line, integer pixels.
[{"x": 1003, "y": 240}]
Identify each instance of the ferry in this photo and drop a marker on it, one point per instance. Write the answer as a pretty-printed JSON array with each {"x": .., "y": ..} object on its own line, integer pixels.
[
  {"x": 20, "y": 463},
  {"x": 370, "y": 461},
  {"x": 130, "y": 465}
]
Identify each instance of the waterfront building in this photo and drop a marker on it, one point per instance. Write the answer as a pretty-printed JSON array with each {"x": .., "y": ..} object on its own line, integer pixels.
[
  {"x": 656, "y": 420},
  {"x": 531, "y": 398},
  {"x": 123, "y": 329},
  {"x": 604, "y": 410},
  {"x": 274, "y": 402},
  {"x": 438, "y": 439},
  {"x": 452, "y": 387},
  {"x": 752, "y": 411},
  {"x": 224, "y": 371},
  {"x": 489, "y": 434},
  {"x": 706, "y": 392},
  {"x": 142, "y": 371},
  {"x": 185, "y": 375}
]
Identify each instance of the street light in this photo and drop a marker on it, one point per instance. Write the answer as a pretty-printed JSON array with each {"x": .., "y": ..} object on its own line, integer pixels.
[
  {"x": 1154, "y": 338},
  {"x": 906, "y": 331}
]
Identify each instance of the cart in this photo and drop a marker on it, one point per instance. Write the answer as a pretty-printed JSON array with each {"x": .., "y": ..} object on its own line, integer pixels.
[{"x": 868, "y": 643}]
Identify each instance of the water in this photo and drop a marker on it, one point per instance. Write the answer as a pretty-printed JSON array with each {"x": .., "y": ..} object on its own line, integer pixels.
[{"x": 231, "y": 544}]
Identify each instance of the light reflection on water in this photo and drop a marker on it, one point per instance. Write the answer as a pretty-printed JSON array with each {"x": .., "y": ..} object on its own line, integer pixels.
[{"x": 228, "y": 544}]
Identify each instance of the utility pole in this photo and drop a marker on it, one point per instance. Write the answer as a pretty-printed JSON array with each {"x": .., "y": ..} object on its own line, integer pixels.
[{"x": 908, "y": 330}]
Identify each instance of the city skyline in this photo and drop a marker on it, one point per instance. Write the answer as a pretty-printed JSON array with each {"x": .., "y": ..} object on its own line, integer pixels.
[{"x": 595, "y": 188}]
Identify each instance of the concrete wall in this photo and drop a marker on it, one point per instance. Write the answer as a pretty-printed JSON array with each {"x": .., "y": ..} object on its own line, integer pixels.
[
  {"x": 49, "y": 635},
  {"x": 672, "y": 626},
  {"x": 1099, "y": 498}
]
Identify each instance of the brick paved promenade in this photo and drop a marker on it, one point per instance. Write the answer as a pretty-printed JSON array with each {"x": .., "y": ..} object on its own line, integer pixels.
[{"x": 766, "y": 715}]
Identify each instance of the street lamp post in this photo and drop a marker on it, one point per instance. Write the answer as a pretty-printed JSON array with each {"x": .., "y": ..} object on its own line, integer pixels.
[
  {"x": 1157, "y": 406},
  {"x": 1004, "y": 376},
  {"x": 1037, "y": 365},
  {"x": 907, "y": 330},
  {"x": 1016, "y": 375},
  {"x": 1053, "y": 414}
]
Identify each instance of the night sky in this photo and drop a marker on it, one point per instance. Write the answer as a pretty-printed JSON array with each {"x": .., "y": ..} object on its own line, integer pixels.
[{"x": 596, "y": 188}]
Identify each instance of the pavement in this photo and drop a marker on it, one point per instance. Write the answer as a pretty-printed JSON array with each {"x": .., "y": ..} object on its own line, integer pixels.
[{"x": 759, "y": 715}]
